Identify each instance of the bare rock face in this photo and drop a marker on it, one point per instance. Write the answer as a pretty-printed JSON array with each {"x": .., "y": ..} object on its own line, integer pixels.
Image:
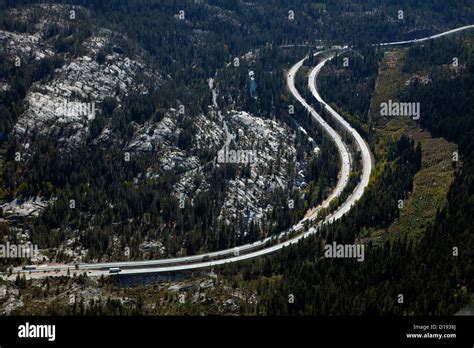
[{"x": 66, "y": 100}]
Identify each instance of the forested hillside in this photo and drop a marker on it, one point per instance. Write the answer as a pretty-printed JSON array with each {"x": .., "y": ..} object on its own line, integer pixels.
[{"x": 173, "y": 85}]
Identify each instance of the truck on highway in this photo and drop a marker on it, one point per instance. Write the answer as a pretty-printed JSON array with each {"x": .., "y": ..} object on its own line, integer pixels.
[
  {"x": 29, "y": 268},
  {"x": 114, "y": 270}
]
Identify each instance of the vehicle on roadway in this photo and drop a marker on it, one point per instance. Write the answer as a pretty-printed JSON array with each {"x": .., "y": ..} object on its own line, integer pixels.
[
  {"x": 115, "y": 270},
  {"x": 29, "y": 268}
]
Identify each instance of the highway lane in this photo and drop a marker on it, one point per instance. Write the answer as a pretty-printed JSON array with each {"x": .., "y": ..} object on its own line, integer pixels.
[{"x": 361, "y": 144}]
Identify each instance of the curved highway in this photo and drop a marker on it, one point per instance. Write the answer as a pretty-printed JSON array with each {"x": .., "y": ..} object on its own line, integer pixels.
[
  {"x": 361, "y": 144},
  {"x": 341, "y": 147},
  {"x": 239, "y": 253},
  {"x": 255, "y": 249}
]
